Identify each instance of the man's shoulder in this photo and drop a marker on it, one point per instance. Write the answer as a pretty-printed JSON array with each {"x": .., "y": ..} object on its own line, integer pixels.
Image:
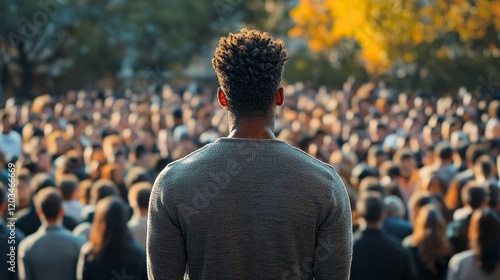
[
  {"x": 28, "y": 242},
  {"x": 189, "y": 159}
]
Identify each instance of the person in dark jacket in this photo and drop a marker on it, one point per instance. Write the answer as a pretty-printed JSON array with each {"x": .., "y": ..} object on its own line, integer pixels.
[
  {"x": 377, "y": 255},
  {"x": 457, "y": 231},
  {"x": 394, "y": 223},
  {"x": 28, "y": 220},
  {"x": 111, "y": 253}
]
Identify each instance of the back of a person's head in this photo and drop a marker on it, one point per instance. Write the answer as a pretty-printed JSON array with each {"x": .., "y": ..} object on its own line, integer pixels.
[
  {"x": 477, "y": 153},
  {"x": 394, "y": 206},
  {"x": 48, "y": 202},
  {"x": 402, "y": 155},
  {"x": 484, "y": 237},
  {"x": 444, "y": 151},
  {"x": 138, "y": 151},
  {"x": 494, "y": 195},
  {"x": 249, "y": 66},
  {"x": 417, "y": 201},
  {"x": 68, "y": 184},
  {"x": 109, "y": 232},
  {"x": 41, "y": 181},
  {"x": 135, "y": 175},
  {"x": 361, "y": 171},
  {"x": 371, "y": 184},
  {"x": 101, "y": 189},
  {"x": 388, "y": 168},
  {"x": 138, "y": 195},
  {"x": 484, "y": 166},
  {"x": 370, "y": 207},
  {"x": 429, "y": 236},
  {"x": 473, "y": 195},
  {"x": 73, "y": 162}
]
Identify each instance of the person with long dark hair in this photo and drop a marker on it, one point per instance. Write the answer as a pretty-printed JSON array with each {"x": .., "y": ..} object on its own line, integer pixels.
[
  {"x": 429, "y": 247},
  {"x": 482, "y": 261},
  {"x": 111, "y": 252}
]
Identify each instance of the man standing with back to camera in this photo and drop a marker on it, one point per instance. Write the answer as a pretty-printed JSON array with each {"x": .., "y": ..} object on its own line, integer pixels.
[{"x": 249, "y": 206}]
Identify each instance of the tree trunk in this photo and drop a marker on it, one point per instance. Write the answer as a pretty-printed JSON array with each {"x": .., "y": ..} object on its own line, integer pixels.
[{"x": 27, "y": 68}]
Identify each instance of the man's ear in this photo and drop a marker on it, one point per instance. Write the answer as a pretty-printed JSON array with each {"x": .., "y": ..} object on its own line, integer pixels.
[
  {"x": 221, "y": 96},
  {"x": 280, "y": 97},
  {"x": 39, "y": 213}
]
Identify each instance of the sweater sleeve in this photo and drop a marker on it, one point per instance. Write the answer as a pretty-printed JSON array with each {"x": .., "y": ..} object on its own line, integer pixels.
[
  {"x": 166, "y": 253},
  {"x": 333, "y": 254}
]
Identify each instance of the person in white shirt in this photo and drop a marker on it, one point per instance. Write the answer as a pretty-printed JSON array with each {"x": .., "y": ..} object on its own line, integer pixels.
[
  {"x": 138, "y": 198},
  {"x": 10, "y": 140}
]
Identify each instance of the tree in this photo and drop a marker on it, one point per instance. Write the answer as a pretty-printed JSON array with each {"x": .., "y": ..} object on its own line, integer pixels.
[
  {"x": 77, "y": 43},
  {"x": 394, "y": 31},
  {"x": 33, "y": 35}
]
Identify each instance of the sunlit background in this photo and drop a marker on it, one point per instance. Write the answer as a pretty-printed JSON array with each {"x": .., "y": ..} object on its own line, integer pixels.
[{"x": 57, "y": 45}]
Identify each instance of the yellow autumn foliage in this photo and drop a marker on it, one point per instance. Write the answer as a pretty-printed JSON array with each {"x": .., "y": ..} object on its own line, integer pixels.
[{"x": 388, "y": 30}]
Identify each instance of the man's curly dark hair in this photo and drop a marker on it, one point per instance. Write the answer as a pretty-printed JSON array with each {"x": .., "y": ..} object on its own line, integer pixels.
[{"x": 249, "y": 67}]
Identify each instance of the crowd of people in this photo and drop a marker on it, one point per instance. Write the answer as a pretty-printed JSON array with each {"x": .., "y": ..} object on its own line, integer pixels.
[{"x": 421, "y": 172}]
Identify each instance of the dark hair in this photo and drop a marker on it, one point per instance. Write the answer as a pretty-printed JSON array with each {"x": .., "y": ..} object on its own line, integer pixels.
[
  {"x": 49, "y": 201},
  {"x": 484, "y": 235},
  {"x": 494, "y": 192},
  {"x": 41, "y": 181},
  {"x": 473, "y": 195},
  {"x": 249, "y": 67},
  {"x": 429, "y": 236},
  {"x": 419, "y": 200},
  {"x": 139, "y": 194},
  {"x": 371, "y": 184},
  {"x": 68, "y": 185},
  {"x": 101, "y": 189},
  {"x": 139, "y": 151},
  {"x": 402, "y": 155},
  {"x": 370, "y": 206},
  {"x": 109, "y": 234},
  {"x": 136, "y": 175},
  {"x": 444, "y": 150},
  {"x": 485, "y": 165}
]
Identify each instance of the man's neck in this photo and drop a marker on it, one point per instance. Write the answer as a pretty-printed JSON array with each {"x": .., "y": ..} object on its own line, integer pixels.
[
  {"x": 52, "y": 223},
  {"x": 255, "y": 128}
]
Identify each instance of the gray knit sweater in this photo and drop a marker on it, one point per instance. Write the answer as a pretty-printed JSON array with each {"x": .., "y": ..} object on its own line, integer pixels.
[{"x": 249, "y": 209}]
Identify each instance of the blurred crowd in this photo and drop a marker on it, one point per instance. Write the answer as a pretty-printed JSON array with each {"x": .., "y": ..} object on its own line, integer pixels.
[{"x": 421, "y": 173}]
